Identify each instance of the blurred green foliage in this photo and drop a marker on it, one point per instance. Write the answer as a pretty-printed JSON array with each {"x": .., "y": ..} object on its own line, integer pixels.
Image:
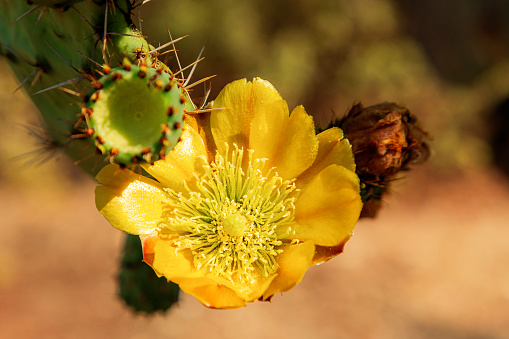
[{"x": 329, "y": 54}]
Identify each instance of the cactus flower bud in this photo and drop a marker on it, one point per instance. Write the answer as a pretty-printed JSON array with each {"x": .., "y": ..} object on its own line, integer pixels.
[{"x": 386, "y": 139}]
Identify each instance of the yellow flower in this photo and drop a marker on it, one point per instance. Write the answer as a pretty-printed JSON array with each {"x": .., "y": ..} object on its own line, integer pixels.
[{"x": 244, "y": 204}]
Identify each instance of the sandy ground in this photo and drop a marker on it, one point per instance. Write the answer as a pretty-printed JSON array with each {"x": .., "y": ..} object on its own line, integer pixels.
[{"x": 432, "y": 265}]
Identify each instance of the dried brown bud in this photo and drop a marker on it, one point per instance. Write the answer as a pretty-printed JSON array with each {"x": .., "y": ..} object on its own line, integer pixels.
[{"x": 386, "y": 138}]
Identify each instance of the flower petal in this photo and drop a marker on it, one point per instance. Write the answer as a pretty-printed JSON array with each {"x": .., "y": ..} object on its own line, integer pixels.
[
  {"x": 268, "y": 128},
  {"x": 177, "y": 265},
  {"x": 130, "y": 202},
  {"x": 288, "y": 142},
  {"x": 241, "y": 101},
  {"x": 200, "y": 122},
  {"x": 324, "y": 253},
  {"x": 247, "y": 290},
  {"x": 333, "y": 149},
  {"x": 184, "y": 160},
  {"x": 299, "y": 146},
  {"x": 293, "y": 263},
  {"x": 328, "y": 208},
  {"x": 170, "y": 261},
  {"x": 211, "y": 294}
]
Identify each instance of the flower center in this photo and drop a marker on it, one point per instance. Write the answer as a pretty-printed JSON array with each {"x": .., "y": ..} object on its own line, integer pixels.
[
  {"x": 232, "y": 220},
  {"x": 235, "y": 224}
]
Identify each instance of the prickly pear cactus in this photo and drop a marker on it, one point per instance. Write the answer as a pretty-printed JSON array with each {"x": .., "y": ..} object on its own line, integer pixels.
[
  {"x": 103, "y": 95},
  {"x": 62, "y": 50},
  {"x": 139, "y": 287}
]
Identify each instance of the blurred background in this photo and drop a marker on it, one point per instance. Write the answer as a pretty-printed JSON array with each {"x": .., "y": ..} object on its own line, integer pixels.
[{"x": 433, "y": 264}]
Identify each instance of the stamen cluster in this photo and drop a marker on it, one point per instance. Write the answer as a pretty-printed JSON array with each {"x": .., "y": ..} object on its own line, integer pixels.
[{"x": 229, "y": 221}]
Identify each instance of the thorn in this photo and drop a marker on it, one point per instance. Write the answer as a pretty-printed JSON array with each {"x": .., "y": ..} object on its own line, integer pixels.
[
  {"x": 37, "y": 76},
  {"x": 198, "y": 111},
  {"x": 166, "y": 45},
  {"x": 93, "y": 61},
  {"x": 27, "y": 12},
  {"x": 65, "y": 83},
  {"x": 84, "y": 19},
  {"x": 40, "y": 15},
  {"x": 139, "y": 21},
  {"x": 22, "y": 83},
  {"x": 199, "y": 82},
  {"x": 185, "y": 68},
  {"x": 205, "y": 98},
  {"x": 194, "y": 67},
  {"x": 105, "y": 33},
  {"x": 176, "y": 54},
  {"x": 125, "y": 34},
  {"x": 69, "y": 91},
  {"x": 68, "y": 63},
  {"x": 17, "y": 55}
]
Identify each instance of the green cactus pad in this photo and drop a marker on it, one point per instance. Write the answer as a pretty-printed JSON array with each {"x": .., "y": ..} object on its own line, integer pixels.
[
  {"x": 139, "y": 287},
  {"x": 135, "y": 115}
]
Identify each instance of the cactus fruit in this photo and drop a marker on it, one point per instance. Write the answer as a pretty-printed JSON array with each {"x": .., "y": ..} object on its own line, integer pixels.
[{"x": 135, "y": 114}]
